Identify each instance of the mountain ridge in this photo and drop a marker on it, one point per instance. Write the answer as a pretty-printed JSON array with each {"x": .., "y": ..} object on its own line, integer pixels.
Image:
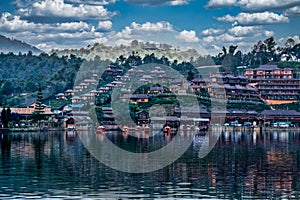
[{"x": 15, "y": 46}]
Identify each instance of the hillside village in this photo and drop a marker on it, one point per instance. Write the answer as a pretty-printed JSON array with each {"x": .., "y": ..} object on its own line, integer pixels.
[
  {"x": 261, "y": 90},
  {"x": 257, "y": 88}
]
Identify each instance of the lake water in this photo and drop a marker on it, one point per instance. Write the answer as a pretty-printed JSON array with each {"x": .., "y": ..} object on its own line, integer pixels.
[{"x": 240, "y": 166}]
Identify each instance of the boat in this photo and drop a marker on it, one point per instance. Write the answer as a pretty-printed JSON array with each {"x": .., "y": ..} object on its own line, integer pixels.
[
  {"x": 167, "y": 130},
  {"x": 100, "y": 129}
]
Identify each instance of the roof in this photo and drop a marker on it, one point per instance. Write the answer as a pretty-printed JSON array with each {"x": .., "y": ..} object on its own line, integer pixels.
[
  {"x": 200, "y": 80},
  {"x": 156, "y": 88},
  {"x": 248, "y": 87},
  {"x": 229, "y": 87},
  {"x": 279, "y": 113},
  {"x": 135, "y": 96},
  {"x": 27, "y": 103},
  {"x": 266, "y": 67}
]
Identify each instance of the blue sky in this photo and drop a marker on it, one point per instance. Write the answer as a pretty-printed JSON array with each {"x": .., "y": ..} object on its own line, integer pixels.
[{"x": 211, "y": 24}]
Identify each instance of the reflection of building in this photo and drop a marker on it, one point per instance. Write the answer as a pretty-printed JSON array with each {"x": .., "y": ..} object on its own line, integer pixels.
[
  {"x": 275, "y": 85},
  {"x": 143, "y": 118}
]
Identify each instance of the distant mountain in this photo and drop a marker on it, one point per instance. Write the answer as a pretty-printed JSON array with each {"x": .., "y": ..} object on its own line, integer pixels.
[
  {"x": 12, "y": 45},
  {"x": 140, "y": 48}
]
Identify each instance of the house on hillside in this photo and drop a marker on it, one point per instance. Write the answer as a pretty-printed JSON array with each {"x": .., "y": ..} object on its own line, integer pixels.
[
  {"x": 135, "y": 98},
  {"x": 156, "y": 90}
]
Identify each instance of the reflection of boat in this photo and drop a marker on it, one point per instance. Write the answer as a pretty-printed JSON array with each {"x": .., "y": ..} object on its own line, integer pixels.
[
  {"x": 71, "y": 127},
  {"x": 70, "y": 134},
  {"x": 127, "y": 129},
  {"x": 100, "y": 129}
]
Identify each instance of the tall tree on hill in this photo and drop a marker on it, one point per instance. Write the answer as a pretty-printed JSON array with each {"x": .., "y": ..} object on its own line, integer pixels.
[
  {"x": 228, "y": 64},
  {"x": 270, "y": 49}
]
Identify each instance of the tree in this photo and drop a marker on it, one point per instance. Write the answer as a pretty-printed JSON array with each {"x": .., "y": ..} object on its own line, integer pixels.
[
  {"x": 7, "y": 88},
  {"x": 228, "y": 63},
  {"x": 190, "y": 75},
  {"x": 3, "y": 117},
  {"x": 6, "y": 117},
  {"x": 30, "y": 86},
  {"x": 270, "y": 49}
]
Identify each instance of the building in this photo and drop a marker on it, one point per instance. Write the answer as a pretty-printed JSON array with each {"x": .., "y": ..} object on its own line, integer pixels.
[
  {"x": 269, "y": 72},
  {"x": 224, "y": 85},
  {"x": 156, "y": 90},
  {"x": 272, "y": 116},
  {"x": 136, "y": 98},
  {"x": 275, "y": 85},
  {"x": 28, "y": 107},
  {"x": 60, "y": 96}
]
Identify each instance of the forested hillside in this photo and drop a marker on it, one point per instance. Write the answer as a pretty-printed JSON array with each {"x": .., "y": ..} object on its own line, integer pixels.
[{"x": 26, "y": 73}]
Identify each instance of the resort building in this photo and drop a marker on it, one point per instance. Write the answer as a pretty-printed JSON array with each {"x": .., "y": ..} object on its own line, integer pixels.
[
  {"x": 224, "y": 85},
  {"x": 275, "y": 85}
]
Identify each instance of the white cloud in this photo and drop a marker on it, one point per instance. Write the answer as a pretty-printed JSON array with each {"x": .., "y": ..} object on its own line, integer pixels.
[
  {"x": 145, "y": 30},
  {"x": 212, "y": 31},
  {"x": 10, "y": 23},
  {"x": 104, "y": 25},
  {"x": 152, "y": 27},
  {"x": 254, "y": 5},
  {"x": 179, "y": 2},
  {"x": 47, "y": 36},
  {"x": 58, "y": 8},
  {"x": 282, "y": 40},
  {"x": 92, "y": 2},
  {"x": 295, "y": 11},
  {"x": 220, "y": 3},
  {"x": 243, "y": 36},
  {"x": 25, "y": 3},
  {"x": 250, "y": 31},
  {"x": 255, "y": 18},
  {"x": 158, "y": 2},
  {"x": 267, "y": 4},
  {"x": 187, "y": 36}
]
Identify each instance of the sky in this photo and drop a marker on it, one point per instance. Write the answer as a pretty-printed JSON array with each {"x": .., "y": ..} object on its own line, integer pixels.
[{"x": 207, "y": 25}]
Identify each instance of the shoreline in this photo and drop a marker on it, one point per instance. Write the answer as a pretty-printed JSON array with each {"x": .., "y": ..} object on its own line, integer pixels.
[{"x": 214, "y": 128}]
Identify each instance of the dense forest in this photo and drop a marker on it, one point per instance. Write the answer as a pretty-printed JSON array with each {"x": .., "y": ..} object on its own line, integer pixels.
[
  {"x": 26, "y": 73},
  {"x": 21, "y": 75}
]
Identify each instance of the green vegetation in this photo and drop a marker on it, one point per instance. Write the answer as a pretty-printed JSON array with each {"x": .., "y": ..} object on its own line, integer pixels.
[
  {"x": 25, "y": 73},
  {"x": 21, "y": 75},
  {"x": 6, "y": 117},
  {"x": 264, "y": 52}
]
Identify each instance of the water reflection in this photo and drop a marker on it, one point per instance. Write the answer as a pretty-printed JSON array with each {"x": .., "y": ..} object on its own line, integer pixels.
[{"x": 242, "y": 165}]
